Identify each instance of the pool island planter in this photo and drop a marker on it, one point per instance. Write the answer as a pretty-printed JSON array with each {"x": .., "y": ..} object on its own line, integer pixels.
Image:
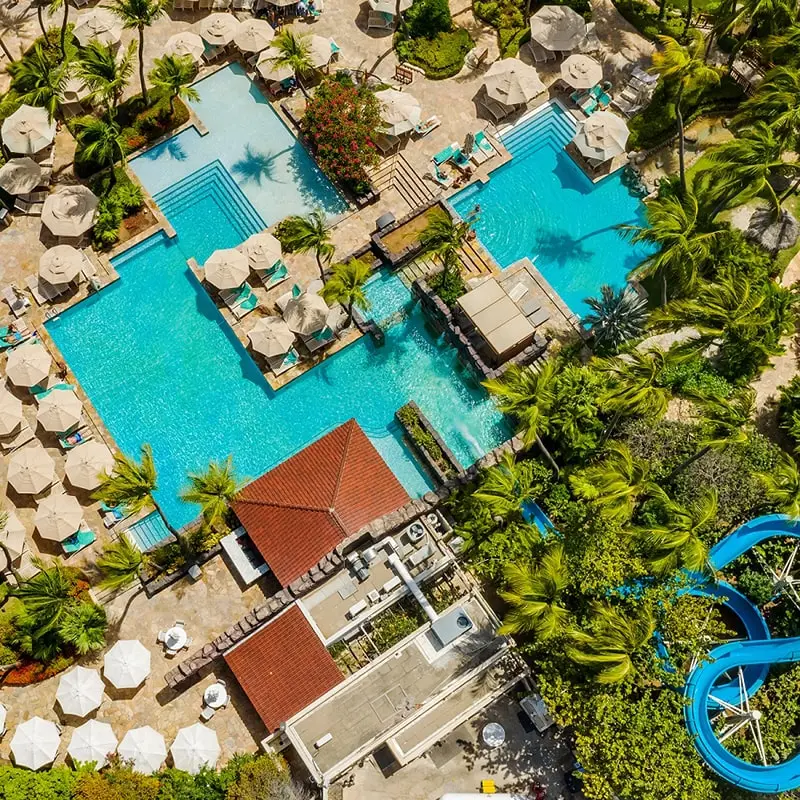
[{"x": 427, "y": 443}]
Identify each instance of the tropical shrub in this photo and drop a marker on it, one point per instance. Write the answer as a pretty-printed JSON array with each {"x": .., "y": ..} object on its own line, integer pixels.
[
  {"x": 789, "y": 410},
  {"x": 56, "y": 783},
  {"x": 448, "y": 284},
  {"x": 262, "y": 778},
  {"x": 694, "y": 376},
  {"x": 116, "y": 782},
  {"x": 440, "y": 57},
  {"x": 644, "y": 17},
  {"x": 756, "y": 585},
  {"x": 427, "y": 18},
  {"x": 410, "y": 420}
]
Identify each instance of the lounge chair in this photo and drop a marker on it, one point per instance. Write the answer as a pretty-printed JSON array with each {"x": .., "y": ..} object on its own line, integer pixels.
[
  {"x": 34, "y": 197},
  {"x": 497, "y": 111},
  {"x": 83, "y": 537},
  {"x": 531, "y": 307},
  {"x": 19, "y": 335},
  {"x": 539, "y": 317},
  {"x": 440, "y": 177},
  {"x": 386, "y": 143},
  {"x": 319, "y": 339},
  {"x": 24, "y": 435},
  {"x": 445, "y": 155},
  {"x": 284, "y": 299},
  {"x": 475, "y": 58},
  {"x": 430, "y": 124},
  {"x": 518, "y": 292},
  {"x": 17, "y": 302},
  {"x": 113, "y": 514},
  {"x": 207, "y": 713},
  {"x": 240, "y": 301},
  {"x": 69, "y": 440},
  {"x": 380, "y": 21},
  {"x": 272, "y": 277},
  {"x": 281, "y": 364},
  {"x": 42, "y": 291},
  {"x": 31, "y": 209},
  {"x": 211, "y": 54}
]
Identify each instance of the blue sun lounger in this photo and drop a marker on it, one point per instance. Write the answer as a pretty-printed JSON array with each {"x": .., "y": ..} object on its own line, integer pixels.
[{"x": 445, "y": 155}]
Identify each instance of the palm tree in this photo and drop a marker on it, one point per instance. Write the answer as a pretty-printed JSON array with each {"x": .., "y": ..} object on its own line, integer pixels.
[
  {"x": 102, "y": 142},
  {"x": 119, "y": 564},
  {"x": 535, "y": 596},
  {"x": 213, "y": 490},
  {"x": 38, "y": 81},
  {"x": 776, "y": 101},
  {"x": 346, "y": 286},
  {"x": 294, "y": 52},
  {"x": 105, "y": 73},
  {"x": 782, "y": 485},
  {"x": 138, "y": 14},
  {"x": 616, "y": 483},
  {"x": 48, "y": 594},
  {"x": 528, "y": 397},
  {"x": 616, "y": 638},
  {"x": 685, "y": 67},
  {"x": 51, "y": 6},
  {"x": 54, "y": 6},
  {"x": 616, "y": 318},
  {"x": 304, "y": 234},
  {"x": 684, "y": 240},
  {"x": 777, "y": 14},
  {"x": 84, "y": 627},
  {"x": 506, "y": 488},
  {"x": 130, "y": 484},
  {"x": 784, "y": 47},
  {"x": 444, "y": 237},
  {"x": 173, "y": 74}
]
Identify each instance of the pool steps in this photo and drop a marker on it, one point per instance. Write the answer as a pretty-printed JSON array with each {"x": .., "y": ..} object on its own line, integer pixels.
[{"x": 541, "y": 131}]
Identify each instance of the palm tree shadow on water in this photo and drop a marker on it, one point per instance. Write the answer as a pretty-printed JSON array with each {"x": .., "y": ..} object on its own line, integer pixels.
[
  {"x": 256, "y": 166},
  {"x": 173, "y": 148},
  {"x": 560, "y": 247}
]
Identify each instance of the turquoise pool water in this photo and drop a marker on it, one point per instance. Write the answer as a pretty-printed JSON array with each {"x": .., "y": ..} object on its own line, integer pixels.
[
  {"x": 541, "y": 205},
  {"x": 262, "y": 157}
]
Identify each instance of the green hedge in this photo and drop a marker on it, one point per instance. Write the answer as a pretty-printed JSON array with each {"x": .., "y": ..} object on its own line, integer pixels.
[
  {"x": 411, "y": 421},
  {"x": 644, "y": 17},
  {"x": 440, "y": 57}
]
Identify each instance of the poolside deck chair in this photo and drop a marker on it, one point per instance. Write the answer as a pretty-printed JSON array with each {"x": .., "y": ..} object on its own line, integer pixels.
[
  {"x": 518, "y": 292},
  {"x": 430, "y": 124},
  {"x": 42, "y": 291},
  {"x": 31, "y": 209},
  {"x": 538, "y": 53},
  {"x": 319, "y": 340},
  {"x": 211, "y": 54},
  {"x": 240, "y": 301},
  {"x": 272, "y": 277},
  {"x": 18, "y": 303},
  {"x": 475, "y": 57},
  {"x": 440, "y": 177},
  {"x": 539, "y": 317},
  {"x": 284, "y": 363},
  {"x": 445, "y": 155},
  {"x": 79, "y": 540},
  {"x": 207, "y": 713},
  {"x": 380, "y": 21},
  {"x": 20, "y": 334},
  {"x": 72, "y": 439},
  {"x": 386, "y": 142},
  {"x": 23, "y": 435},
  {"x": 284, "y": 299},
  {"x": 34, "y": 197}
]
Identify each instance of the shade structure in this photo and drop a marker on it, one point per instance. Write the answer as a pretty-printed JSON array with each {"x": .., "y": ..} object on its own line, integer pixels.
[
  {"x": 70, "y": 211},
  {"x": 58, "y": 516},
  {"x": 253, "y": 35},
  {"x": 10, "y": 412},
  {"x": 400, "y": 111},
  {"x": 28, "y": 130},
  {"x": 306, "y": 314},
  {"x": 185, "y": 43},
  {"x": 97, "y": 25},
  {"x": 227, "y": 269},
  {"x": 61, "y": 264},
  {"x": 13, "y": 537},
  {"x": 126, "y": 664},
  {"x": 389, "y": 6},
  {"x": 59, "y": 410},
  {"x": 263, "y": 250},
  {"x": 35, "y": 743},
  {"x": 93, "y": 741},
  {"x": 31, "y": 470},
  {"x": 87, "y": 463},
  {"x": 271, "y": 336},
  {"x": 20, "y": 175},
  {"x": 268, "y": 70},
  {"x": 558, "y": 28},
  {"x": 195, "y": 747},
  {"x": 602, "y": 136},
  {"x": 144, "y": 748},
  {"x": 511, "y": 82},
  {"x": 80, "y": 691},
  {"x": 75, "y": 90},
  {"x": 28, "y": 364},
  {"x": 219, "y": 29},
  {"x": 320, "y": 50},
  {"x": 581, "y": 72}
]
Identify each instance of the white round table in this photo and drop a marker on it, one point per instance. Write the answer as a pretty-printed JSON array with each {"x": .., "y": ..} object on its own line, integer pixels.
[
  {"x": 215, "y": 696},
  {"x": 175, "y": 638},
  {"x": 493, "y": 734}
]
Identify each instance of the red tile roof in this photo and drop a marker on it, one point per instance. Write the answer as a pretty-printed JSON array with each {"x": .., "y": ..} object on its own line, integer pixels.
[
  {"x": 300, "y": 510},
  {"x": 283, "y": 667}
]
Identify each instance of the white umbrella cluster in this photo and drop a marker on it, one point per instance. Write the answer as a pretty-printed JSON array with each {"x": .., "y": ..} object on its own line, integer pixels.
[
  {"x": 219, "y": 29},
  {"x": 306, "y": 314},
  {"x": 35, "y": 743},
  {"x": 263, "y": 250},
  {"x": 58, "y": 516},
  {"x": 558, "y": 28},
  {"x": 271, "y": 336},
  {"x": 87, "y": 463},
  {"x": 97, "y": 25},
  {"x": 227, "y": 269},
  {"x": 581, "y": 72},
  {"x": 93, "y": 742},
  {"x": 145, "y": 748},
  {"x": 10, "y": 412},
  {"x": 126, "y": 664},
  {"x": 253, "y": 35},
  {"x": 185, "y": 43},
  {"x": 61, "y": 264},
  {"x": 20, "y": 175},
  {"x": 268, "y": 69},
  {"x": 59, "y": 410},
  {"x": 13, "y": 536},
  {"x": 28, "y": 364},
  {"x": 31, "y": 470},
  {"x": 195, "y": 747}
]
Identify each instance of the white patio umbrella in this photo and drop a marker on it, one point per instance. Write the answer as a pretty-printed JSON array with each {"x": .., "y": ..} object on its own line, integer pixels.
[
  {"x": 97, "y": 25},
  {"x": 268, "y": 70},
  {"x": 389, "y": 6},
  {"x": 75, "y": 90},
  {"x": 93, "y": 741},
  {"x": 20, "y": 175},
  {"x": 602, "y": 136},
  {"x": 145, "y": 748},
  {"x": 28, "y": 130},
  {"x": 86, "y": 463},
  {"x": 400, "y": 111},
  {"x": 58, "y": 516},
  {"x": 306, "y": 314},
  {"x": 219, "y": 29},
  {"x": 262, "y": 250},
  {"x": 558, "y": 28},
  {"x": 70, "y": 211},
  {"x": 511, "y": 82},
  {"x": 28, "y": 364},
  {"x": 126, "y": 664},
  {"x": 253, "y": 35},
  {"x": 61, "y": 264},
  {"x": 59, "y": 410},
  {"x": 35, "y": 743},
  {"x": 13, "y": 537},
  {"x": 271, "y": 336},
  {"x": 185, "y": 43},
  {"x": 80, "y": 691},
  {"x": 227, "y": 269},
  {"x": 320, "y": 50},
  {"x": 31, "y": 470},
  {"x": 10, "y": 412},
  {"x": 194, "y": 748},
  {"x": 581, "y": 72}
]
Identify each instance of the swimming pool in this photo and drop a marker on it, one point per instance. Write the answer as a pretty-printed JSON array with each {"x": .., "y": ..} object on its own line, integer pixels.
[
  {"x": 542, "y": 206},
  {"x": 246, "y": 137}
]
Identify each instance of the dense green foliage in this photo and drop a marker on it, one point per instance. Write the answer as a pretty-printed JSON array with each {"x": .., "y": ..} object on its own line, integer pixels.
[
  {"x": 441, "y": 56},
  {"x": 428, "y": 18},
  {"x": 410, "y": 420}
]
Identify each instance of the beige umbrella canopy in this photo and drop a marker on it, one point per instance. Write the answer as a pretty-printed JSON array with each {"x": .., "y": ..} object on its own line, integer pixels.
[
  {"x": 219, "y": 29},
  {"x": 253, "y": 35},
  {"x": 61, "y": 264},
  {"x": 97, "y": 25},
  {"x": 87, "y": 462},
  {"x": 512, "y": 82},
  {"x": 28, "y": 130},
  {"x": 581, "y": 72},
  {"x": 10, "y": 412},
  {"x": 306, "y": 314},
  {"x": 70, "y": 211},
  {"x": 59, "y": 410},
  {"x": 31, "y": 470},
  {"x": 20, "y": 175},
  {"x": 28, "y": 364},
  {"x": 262, "y": 250},
  {"x": 320, "y": 50},
  {"x": 35, "y": 743},
  {"x": 271, "y": 336},
  {"x": 185, "y": 43},
  {"x": 400, "y": 111},
  {"x": 602, "y": 136},
  {"x": 13, "y": 537},
  {"x": 227, "y": 269},
  {"x": 389, "y": 6},
  {"x": 268, "y": 70},
  {"x": 558, "y": 28},
  {"x": 74, "y": 90},
  {"x": 58, "y": 516}
]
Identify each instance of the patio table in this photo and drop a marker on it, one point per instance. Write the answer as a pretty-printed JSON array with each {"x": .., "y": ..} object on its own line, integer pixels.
[
  {"x": 175, "y": 638},
  {"x": 215, "y": 696}
]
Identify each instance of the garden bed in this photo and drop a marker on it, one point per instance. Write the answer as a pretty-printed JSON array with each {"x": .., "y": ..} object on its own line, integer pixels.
[
  {"x": 439, "y": 57},
  {"x": 426, "y": 441}
]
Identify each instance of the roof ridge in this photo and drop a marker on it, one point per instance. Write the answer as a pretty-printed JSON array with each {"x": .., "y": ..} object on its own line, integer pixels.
[
  {"x": 351, "y": 423},
  {"x": 296, "y": 507}
]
